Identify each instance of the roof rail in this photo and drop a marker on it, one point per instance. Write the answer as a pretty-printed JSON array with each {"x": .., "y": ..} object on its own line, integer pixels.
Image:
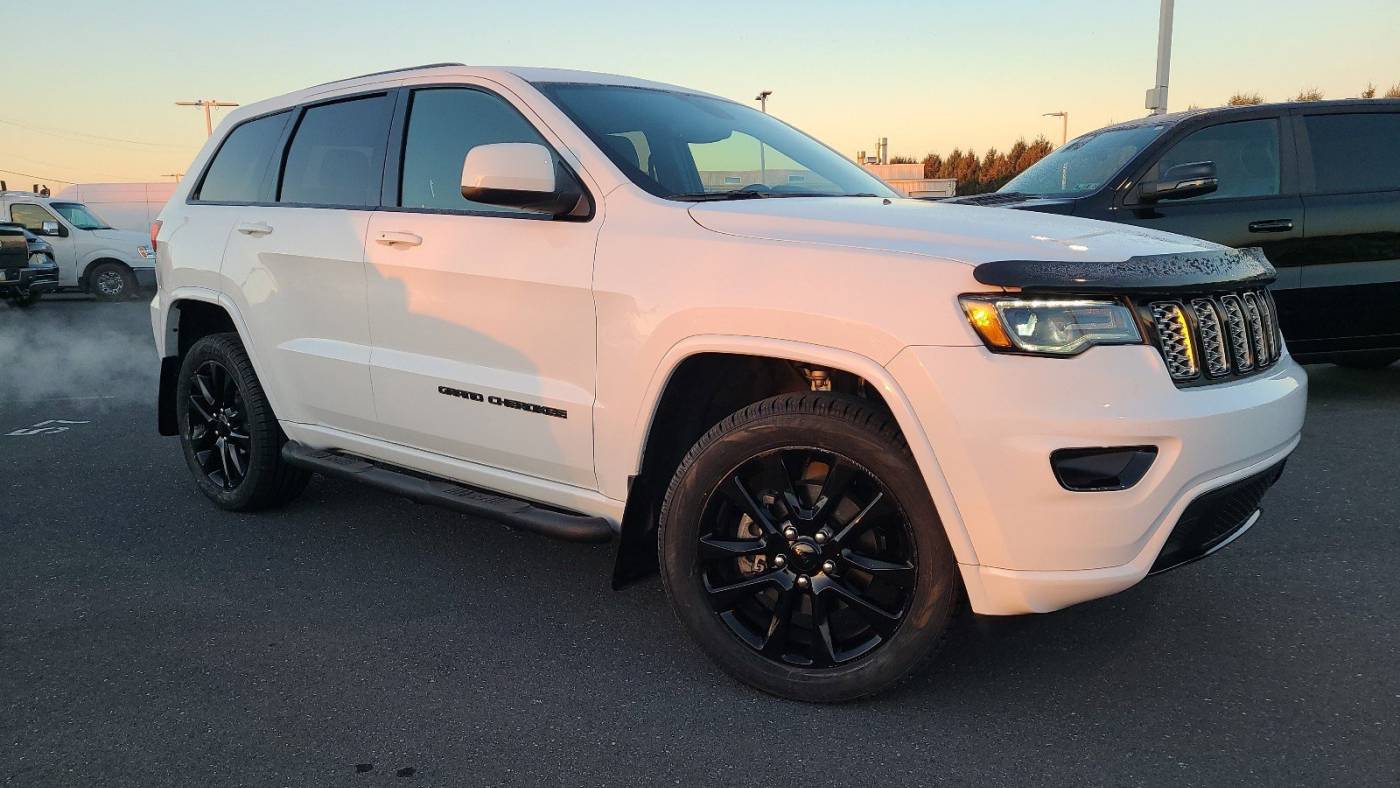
[{"x": 387, "y": 71}]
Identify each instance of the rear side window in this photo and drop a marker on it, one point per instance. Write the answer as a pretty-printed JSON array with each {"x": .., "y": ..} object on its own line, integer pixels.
[
  {"x": 238, "y": 169},
  {"x": 1246, "y": 156},
  {"x": 443, "y": 125},
  {"x": 337, "y": 154},
  {"x": 1356, "y": 152}
]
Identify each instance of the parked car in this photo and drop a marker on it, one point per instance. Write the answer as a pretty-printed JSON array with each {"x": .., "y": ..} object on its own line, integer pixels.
[
  {"x": 27, "y": 268},
  {"x": 92, "y": 257},
  {"x": 1315, "y": 184},
  {"x": 599, "y": 308}
]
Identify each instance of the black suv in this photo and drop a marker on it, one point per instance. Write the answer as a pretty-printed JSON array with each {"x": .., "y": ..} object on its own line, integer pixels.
[
  {"x": 1315, "y": 184},
  {"x": 27, "y": 267}
]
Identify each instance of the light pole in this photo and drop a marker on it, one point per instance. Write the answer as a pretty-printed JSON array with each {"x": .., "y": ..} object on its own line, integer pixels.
[
  {"x": 207, "y": 104},
  {"x": 762, "y": 99},
  {"x": 1064, "y": 124},
  {"x": 1157, "y": 96}
]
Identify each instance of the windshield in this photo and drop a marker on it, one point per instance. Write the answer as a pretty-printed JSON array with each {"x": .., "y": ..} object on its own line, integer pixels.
[
  {"x": 688, "y": 147},
  {"x": 80, "y": 216},
  {"x": 1085, "y": 163}
]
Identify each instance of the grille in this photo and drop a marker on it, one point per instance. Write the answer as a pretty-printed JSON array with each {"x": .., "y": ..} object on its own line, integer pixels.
[{"x": 1215, "y": 338}]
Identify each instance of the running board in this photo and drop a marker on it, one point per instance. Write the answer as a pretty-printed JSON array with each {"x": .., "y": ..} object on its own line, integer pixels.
[{"x": 513, "y": 512}]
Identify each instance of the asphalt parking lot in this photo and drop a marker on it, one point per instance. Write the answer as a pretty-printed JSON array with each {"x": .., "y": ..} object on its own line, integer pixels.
[{"x": 358, "y": 639}]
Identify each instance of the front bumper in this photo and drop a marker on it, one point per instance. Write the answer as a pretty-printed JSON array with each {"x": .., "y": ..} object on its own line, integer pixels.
[{"x": 992, "y": 421}]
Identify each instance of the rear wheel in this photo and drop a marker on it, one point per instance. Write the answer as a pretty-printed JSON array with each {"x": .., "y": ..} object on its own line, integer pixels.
[
  {"x": 801, "y": 551},
  {"x": 231, "y": 439},
  {"x": 111, "y": 282}
]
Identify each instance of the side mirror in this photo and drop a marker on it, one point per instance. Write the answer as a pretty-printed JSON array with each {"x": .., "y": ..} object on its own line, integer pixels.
[
  {"x": 1180, "y": 182},
  {"x": 518, "y": 175},
  {"x": 48, "y": 228}
]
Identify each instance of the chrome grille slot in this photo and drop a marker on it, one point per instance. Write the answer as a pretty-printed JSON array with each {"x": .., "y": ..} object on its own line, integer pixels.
[
  {"x": 1236, "y": 323},
  {"x": 1256, "y": 329},
  {"x": 1175, "y": 336},
  {"x": 1215, "y": 353},
  {"x": 1270, "y": 317}
]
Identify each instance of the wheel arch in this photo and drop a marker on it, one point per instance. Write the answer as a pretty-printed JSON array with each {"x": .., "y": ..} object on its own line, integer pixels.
[
  {"x": 190, "y": 316},
  {"x": 660, "y": 444}
]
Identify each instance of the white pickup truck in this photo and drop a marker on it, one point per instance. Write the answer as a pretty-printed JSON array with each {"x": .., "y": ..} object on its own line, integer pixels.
[
  {"x": 92, "y": 256},
  {"x": 600, "y": 308}
]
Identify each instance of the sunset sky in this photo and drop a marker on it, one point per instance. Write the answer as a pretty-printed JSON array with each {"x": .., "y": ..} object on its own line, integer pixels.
[{"x": 95, "y": 100}]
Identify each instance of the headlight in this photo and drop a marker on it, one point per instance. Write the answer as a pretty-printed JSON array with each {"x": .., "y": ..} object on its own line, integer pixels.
[
  {"x": 145, "y": 252},
  {"x": 39, "y": 259},
  {"x": 1050, "y": 326}
]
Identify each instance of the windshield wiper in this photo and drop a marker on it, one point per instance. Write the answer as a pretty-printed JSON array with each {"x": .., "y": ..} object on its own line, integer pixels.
[
  {"x": 740, "y": 194},
  {"x": 737, "y": 194}
]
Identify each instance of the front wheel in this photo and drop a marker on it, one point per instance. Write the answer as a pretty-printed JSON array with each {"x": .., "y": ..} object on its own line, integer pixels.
[
  {"x": 231, "y": 439},
  {"x": 801, "y": 551},
  {"x": 27, "y": 300}
]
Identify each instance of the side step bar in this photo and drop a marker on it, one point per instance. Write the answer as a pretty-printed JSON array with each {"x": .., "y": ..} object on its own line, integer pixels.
[{"x": 513, "y": 512}]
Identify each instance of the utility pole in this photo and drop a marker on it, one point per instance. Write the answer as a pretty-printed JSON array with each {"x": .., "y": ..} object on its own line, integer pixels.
[
  {"x": 176, "y": 175},
  {"x": 207, "y": 104},
  {"x": 1157, "y": 96},
  {"x": 762, "y": 99},
  {"x": 1064, "y": 124}
]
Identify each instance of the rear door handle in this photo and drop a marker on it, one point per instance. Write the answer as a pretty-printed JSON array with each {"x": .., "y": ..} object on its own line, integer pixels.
[
  {"x": 1271, "y": 226},
  {"x": 254, "y": 228},
  {"x": 399, "y": 239}
]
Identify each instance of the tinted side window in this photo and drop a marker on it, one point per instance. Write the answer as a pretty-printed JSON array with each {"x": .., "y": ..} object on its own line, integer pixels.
[
  {"x": 1355, "y": 153},
  {"x": 238, "y": 169},
  {"x": 1246, "y": 156},
  {"x": 337, "y": 154},
  {"x": 443, "y": 124},
  {"x": 30, "y": 215}
]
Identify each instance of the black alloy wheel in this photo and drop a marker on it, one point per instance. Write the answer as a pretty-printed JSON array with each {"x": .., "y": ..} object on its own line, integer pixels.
[
  {"x": 216, "y": 428},
  {"x": 807, "y": 559},
  {"x": 231, "y": 439},
  {"x": 802, "y": 552}
]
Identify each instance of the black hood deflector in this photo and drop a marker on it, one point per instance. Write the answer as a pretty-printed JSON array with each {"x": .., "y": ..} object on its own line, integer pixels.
[{"x": 1178, "y": 271}]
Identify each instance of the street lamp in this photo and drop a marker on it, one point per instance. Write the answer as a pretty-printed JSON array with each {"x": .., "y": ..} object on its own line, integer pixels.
[
  {"x": 762, "y": 99},
  {"x": 1064, "y": 124}
]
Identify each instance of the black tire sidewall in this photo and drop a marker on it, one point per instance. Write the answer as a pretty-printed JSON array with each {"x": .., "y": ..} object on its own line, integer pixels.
[
  {"x": 261, "y": 426},
  {"x": 890, "y": 461}
]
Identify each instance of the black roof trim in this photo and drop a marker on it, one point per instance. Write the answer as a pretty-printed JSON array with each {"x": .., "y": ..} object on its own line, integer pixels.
[{"x": 1178, "y": 271}]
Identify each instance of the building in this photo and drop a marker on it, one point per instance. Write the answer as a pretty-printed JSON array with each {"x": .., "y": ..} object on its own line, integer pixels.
[{"x": 125, "y": 206}]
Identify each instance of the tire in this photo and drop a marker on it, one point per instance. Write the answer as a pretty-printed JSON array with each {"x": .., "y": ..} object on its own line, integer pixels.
[
  {"x": 1378, "y": 359},
  {"x": 27, "y": 300},
  {"x": 228, "y": 432},
  {"x": 877, "y": 514},
  {"x": 111, "y": 282}
]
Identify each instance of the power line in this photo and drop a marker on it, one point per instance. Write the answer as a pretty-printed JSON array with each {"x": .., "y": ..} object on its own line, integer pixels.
[
  {"x": 32, "y": 175},
  {"x": 67, "y": 133}
]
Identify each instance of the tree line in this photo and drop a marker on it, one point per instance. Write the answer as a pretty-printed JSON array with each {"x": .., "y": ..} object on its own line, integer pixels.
[
  {"x": 987, "y": 172},
  {"x": 1308, "y": 94}
]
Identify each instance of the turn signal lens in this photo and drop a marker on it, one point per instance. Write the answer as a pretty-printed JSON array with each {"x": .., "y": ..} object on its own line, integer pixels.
[
  {"x": 983, "y": 317},
  {"x": 1051, "y": 326}
]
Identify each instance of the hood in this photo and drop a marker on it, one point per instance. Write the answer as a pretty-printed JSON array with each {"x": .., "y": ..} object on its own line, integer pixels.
[
  {"x": 122, "y": 238},
  {"x": 962, "y": 233}
]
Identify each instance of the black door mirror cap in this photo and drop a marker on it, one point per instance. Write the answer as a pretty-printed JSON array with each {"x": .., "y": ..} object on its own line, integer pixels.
[{"x": 1192, "y": 179}]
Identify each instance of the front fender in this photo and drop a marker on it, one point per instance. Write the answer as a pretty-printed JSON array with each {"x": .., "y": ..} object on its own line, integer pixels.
[{"x": 619, "y": 460}]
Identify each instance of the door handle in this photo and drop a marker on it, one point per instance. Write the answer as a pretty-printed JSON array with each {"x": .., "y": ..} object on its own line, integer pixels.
[
  {"x": 254, "y": 228},
  {"x": 1271, "y": 226},
  {"x": 399, "y": 239}
]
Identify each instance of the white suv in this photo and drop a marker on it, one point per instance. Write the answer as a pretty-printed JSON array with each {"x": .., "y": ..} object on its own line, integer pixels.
[
  {"x": 599, "y": 308},
  {"x": 91, "y": 255}
]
